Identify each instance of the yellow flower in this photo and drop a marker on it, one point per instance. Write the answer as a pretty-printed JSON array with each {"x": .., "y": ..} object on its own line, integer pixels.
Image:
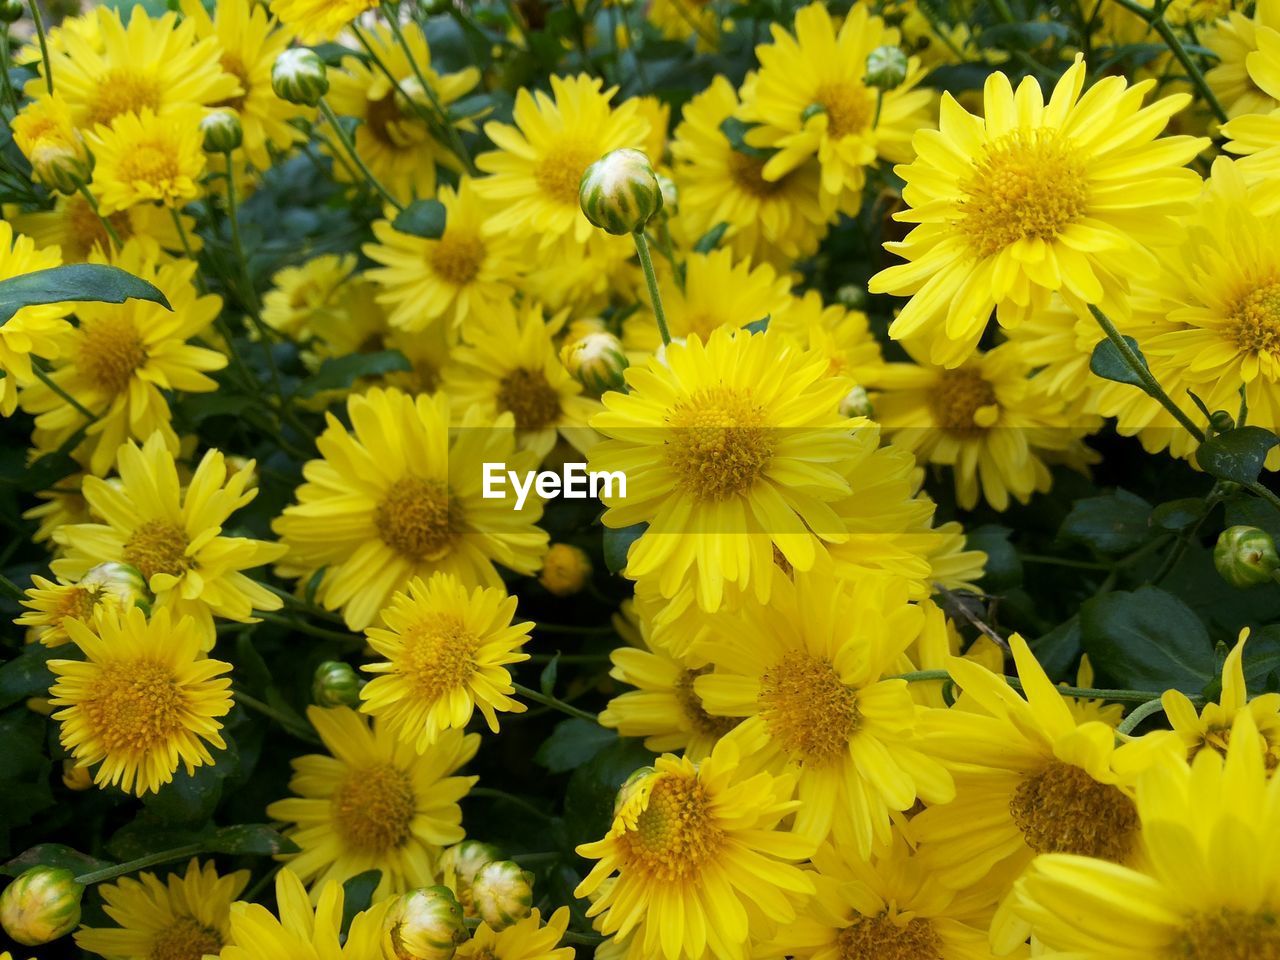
[
  {"x": 301, "y": 296},
  {"x": 143, "y": 699},
  {"x": 730, "y": 450},
  {"x": 540, "y": 160},
  {"x": 142, "y": 158},
  {"x": 374, "y": 804},
  {"x": 1233, "y": 40},
  {"x": 394, "y": 499},
  {"x": 50, "y": 604},
  {"x": 527, "y": 939},
  {"x": 843, "y": 336},
  {"x": 183, "y": 915},
  {"x": 445, "y": 652},
  {"x": 316, "y": 21},
  {"x": 1037, "y": 197},
  {"x": 682, "y": 19},
  {"x": 468, "y": 275},
  {"x": 72, "y": 226},
  {"x": 37, "y": 330},
  {"x": 62, "y": 505},
  {"x": 702, "y": 866},
  {"x": 44, "y": 133},
  {"x": 585, "y": 278},
  {"x": 173, "y": 535}
]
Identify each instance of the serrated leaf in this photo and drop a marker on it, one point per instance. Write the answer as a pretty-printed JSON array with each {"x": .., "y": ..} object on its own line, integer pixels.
[
  {"x": 53, "y": 855},
  {"x": 422, "y": 218},
  {"x": 1147, "y": 640},
  {"x": 76, "y": 282},
  {"x": 572, "y": 743},
  {"x": 1108, "y": 363},
  {"x": 339, "y": 373},
  {"x": 617, "y": 541},
  {"x": 1237, "y": 455},
  {"x": 1112, "y": 523}
]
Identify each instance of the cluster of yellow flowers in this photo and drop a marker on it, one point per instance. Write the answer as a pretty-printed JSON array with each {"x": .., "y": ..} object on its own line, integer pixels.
[{"x": 838, "y": 774}]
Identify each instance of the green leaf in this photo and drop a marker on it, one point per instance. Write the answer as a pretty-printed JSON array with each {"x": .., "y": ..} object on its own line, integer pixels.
[
  {"x": 339, "y": 373},
  {"x": 1177, "y": 515},
  {"x": 588, "y": 804},
  {"x": 422, "y": 218},
  {"x": 53, "y": 855},
  {"x": 711, "y": 239},
  {"x": 1004, "y": 568},
  {"x": 1108, "y": 363},
  {"x": 192, "y": 797},
  {"x": 28, "y": 674},
  {"x": 759, "y": 326},
  {"x": 1059, "y": 649},
  {"x": 1237, "y": 455},
  {"x": 357, "y": 895},
  {"x": 547, "y": 680},
  {"x": 76, "y": 282},
  {"x": 255, "y": 838},
  {"x": 735, "y": 131},
  {"x": 1112, "y": 523},
  {"x": 572, "y": 743},
  {"x": 1147, "y": 640},
  {"x": 617, "y": 542}
]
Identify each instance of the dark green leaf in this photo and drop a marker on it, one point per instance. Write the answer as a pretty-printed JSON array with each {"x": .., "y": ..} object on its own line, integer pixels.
[
  {"x": 53, "y": 855},
  {"x": 339, "y": 373},
  {"x": 1112, "y": 523},
  {"x": 711, "y": 239},
  {"x": 547, "y": 680},
  {"x": 1237, "y": 455},
  {"x": 1178, "y": 515},
  {"x": 1004, "y": 568},
  {"x": 572, "y": 743},
  {"x": 1108, "y": 363},
  {"x": 735, "y": 131},
  {"x": 191, "y": 798},
  {"x": 357, "y": 895},
  {"x": 1022, "y": 36},
  {"x": 588, "y": 805},
  {"x": 758, "y": 326},
  {"x": 1059, "y": 649},
  {"x": 256, "y": 838},
  {"x": 27, "y": 674},
  {"x": 422, "y": 218},
  {"x": 1147, "y": 640},
  {"x": 76, "y": 282},
  {"x": 617, "y": 542}
]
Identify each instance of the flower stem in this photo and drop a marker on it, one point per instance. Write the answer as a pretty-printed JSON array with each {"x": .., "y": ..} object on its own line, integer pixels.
[
  {"x": 320, "y": 633},
  {"x": 6, "y": 85},
  {"x": 651, "y": 278},
  {"x": 1140, "y": 713},
  {"x": 554, "y": 702},
  {"x": 289, "y": 724},
  {"x": 1092, "y": 693},
  {"x": 1158, "y": 23},
  {"x": 132, "y": 866},
  {"x": 48, "y": 381},
  {"x": 93, "y": 205},
  {"x": 38, "y": 18},
  {"x": 350, "y": 148}
]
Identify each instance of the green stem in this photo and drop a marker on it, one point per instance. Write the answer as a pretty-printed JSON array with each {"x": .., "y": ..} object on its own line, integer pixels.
[
  {"x": 79, "y": 407},
  {"x": 1156, "y": 19},
  {"x": 38, "y": 19},
  {"x": 93, "y": 205},
  {"x": 287, "y": 723},
  {"x": 1140, "y": 713},
  {"x": 554, "y": 702},
  {"x": 651, "y": 278},
  {"x": 1063, "y": 562},
  {"x": 1258, "y": 490},
  {"x": 189, "y": 252},
  {"x": 1092, "y": 693},
  {"x": 133, "y": 866},
  {"x": 503, "y": 797},
  {"x": 11, "y": 588},
  {"x": 301, "y": 605},
  {"x": 6, "y": 85},
  {"x": 320, "y": 633},
  {"x": 350, "y": 148}
]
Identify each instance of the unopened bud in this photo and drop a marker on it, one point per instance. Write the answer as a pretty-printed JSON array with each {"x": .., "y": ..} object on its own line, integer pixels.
[
  {"x": 1221, "y": 421},
  {"x": 41, "y": 905},
  {"x": 11, "y": 11},
  {"x": 619, "y": 193},
  {"x": 424, "y": 924},
  {"x": 300, "y": 76},
  {"x": 852, "y": 297},
  {"x": 459, "y": 865},
  {"x": 565, "y": 570},
  {"x": 336, "y": 684},
  {"x": 1245, "y": 556},
  {"x": 856, "y": 403},
  {"x": 117, "y": 584},
  {"x": 222, "y": 131},
  {"x": 503, "y": 893},
  {"x": 597, "y": 361},
  {"x": 886, "y": 68}
]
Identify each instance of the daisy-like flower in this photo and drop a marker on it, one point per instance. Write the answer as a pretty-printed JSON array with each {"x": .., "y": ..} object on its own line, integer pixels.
[
  {"x": 51, "y": 603},
  {"x": 181, "y": 915},
  {"x": 509, "y": 364},
  {"x": 808, "y": 673},
  {"x": 32, "y": 331},
  {"x": 1255, "y": 135},
  {"x": 445, "y": 653},
  {"x": 316, "y": 21},
  {"x": 540, "y": 160},
  {"x": 394, "y": 498},
  {"x": 73, "y": 227},
  {"x": 172, "y": 535},
  {"x": 468, "y": 274},
  {"x": 682, "y": 19},
  {"x": 820, "y": 66},
  {"x": 142, "y": 701},
  {"x": 373, "y": 804},
  {"x": 62, "y": 505},
  {"x": 584, "y": 278},
  {"x": 1233, "y": 40},
  {"x": 717, "y": 292},
  {"x": 701, "y": 865},
  {"x": 777, "y": 221},
  {"x": 302, "y": 296},
  {"x": 44, "y": 133},
  {"x": 526, "y": 939},
  {"x": 730, "y": 450},
  {"x": 1037, "y": 197},
  {"x": 144, "y": 158},
  {"x": 844, "y": 336}
]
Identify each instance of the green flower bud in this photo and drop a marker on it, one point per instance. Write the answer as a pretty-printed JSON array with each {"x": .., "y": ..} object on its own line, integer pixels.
[
  {"x": 424, "y": 924},
  {"x": 222, "y": 131},
  {"x": 1245, "y": 556},
  {"x": 118, "y": 584},
  {"x": 852, "y": 297},
  {"x": 300, "y": 76},
  {"x": 336, "y": 684},
  {"x": 503, "y": 893},
  {"x": 459, "y": 865},
  {"x": 597, "y": 361},
  {"x": 11, "y": 11},
  {"x": 565, "y": 570},
  {"x": 41, "y": 905},
  {"x": 856, "y": 403},
  {"x": 886, "y": 68},
  {"x": 1221, "y": 421},
  {"x": 619, "y": 193}
]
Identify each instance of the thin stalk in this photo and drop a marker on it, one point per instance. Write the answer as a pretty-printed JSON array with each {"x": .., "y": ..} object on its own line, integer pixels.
[
  {"x": 93, "y": 205},
  {"x": 133, "y": 866},
  {"x": 502, "y": 796},
  {"x": 651, "y": 278},
  {"x": 1140, "y": 713},
  {"x": 287, "y": 723},
  {"x": 320, "y": 633},
  {"x": 47, "y": 380},
  {"x": 350, "y": 148},
  {"x": 6, "y": 85},
  {"x": 1091, "y": 693},
  {"x": 188, "y": 250},
  {"x": 1161, "y": 26},
  {"x": 38, "y": 19},
  {"x": 11, "y": 588},
  {"x": 555, "y": 703}
]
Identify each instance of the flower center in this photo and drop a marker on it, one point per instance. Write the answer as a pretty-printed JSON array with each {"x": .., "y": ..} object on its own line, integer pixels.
[
  {"x": 720, "y": 443},
  {"x": 1062, "y": 809},
  {"x": 808, "y": 708},
  {"x": 1255, "y": 319},
  {"x": 373, "y": 808},
  {"x": 134, "y": 706},
  {"x": 232, "y": 64},
  {"x": 185, "y": 939},
  {"x": 438, "y": 656},
  {"x": 123, "y": 90},
  {"x": 418, "y": 519},
  {"x": 888, "y": 938},
  {"x": 388, "y": 124},
  {"x": 111, "y": 350},
  {"x": 691, "y": 705},
  {"x": 158, "y": 546},
  {"x": 457, "y": 258},
  {"x": 150, "y": 162},
  {"x": 849, "y": 107},
  {"x": 85, "y": 229},
  {"x": 77, "y": 603},
  {"x": 1231, "y": 935},
  {"x": 956, "y": 399},
  {"x": 560, "y": 172},
  {"x": 1029, "y": 185},
  {"x": 530, "y": 399},
  {"x": 676, "y": 833},
  {"x": 748, "y": 176}
]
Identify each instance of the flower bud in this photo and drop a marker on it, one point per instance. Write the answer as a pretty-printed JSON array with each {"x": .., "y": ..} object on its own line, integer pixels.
[
  {"x": 222, "y": 131},
  {"x": 1221, "y": 421},
  {"x": 41, "y": 905},
  {"x": 886, "y": 68},
  {"x": 336, "y": 684},
  {"x": 117, "y": 584},
  {"x": 670, "y": 195},
  {"x": 852, "y": 297},
  {"x": 459, "y": 865},
  {"x": 76, "y": 777},
  {"x": 856, "y": 403},
  {"x": 619, "y": 193},
  {"x": 424, "y": 924},
  {"x": 596, "y": 361},
  {"x": 1245, "y": 556},
  {"x": 639, "y": 780},
  {"x": 11, "y": 11},
  {"x": 565, "y": 570},
  {"x": 299, "y": 76},
  {"x": 503, "y": 893},
  {"x": 48, "y": 138}
]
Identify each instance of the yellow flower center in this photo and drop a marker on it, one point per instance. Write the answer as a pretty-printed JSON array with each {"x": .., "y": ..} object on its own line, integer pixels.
[
  {"x": 691, "y": 706},
  {"x": 720, "y": 443},
  {"x": 956, "y": 399},
  {"x": 1029, "y": 185},
  {"x": 849, "y": 106},
  {"x": 530, "y": 398},
  {"x": 438, "y": 656},
  {"x": 77, "y": 603},
  {"x": 675, "y": 834},
  {"x": 232, "y": 64},
  {"x": 1061, "y": 809},
  {"x": 457, "y": 257},
  {"x": 123, "y": 90},
  {"x": 1254, "y": 320},
  {"x": 373, "y": 808},
  {"x": 149, "y": 161},
  {"x": 418, "y": 519},
  {"x": 1231, "y": 935},
  {"x": 84, "y": 229},
  {"x": 134, "y": 706},
  {"x": 158, "y": 546},
  {"x": 185, "y": 939},
  {"x": 887, "y": 937},
  {"x": 748, "y": 176},
  {"x": 111, "y": 350},
  {"x": 808, "y": 709},
  {"x": 559, "y": 173}
]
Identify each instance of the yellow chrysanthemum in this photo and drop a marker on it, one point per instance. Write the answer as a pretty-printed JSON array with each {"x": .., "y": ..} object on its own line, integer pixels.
[
  {"x": 50, "y": 604},
  {"x": 853, "y": 124},
  {"x": 683, "y": 19},
  {"x": 584, "y": 278},
  {"x": 120, "y": 358},
  {"x": 172, "y": 534},
  {"x": 540, "y": 160},
  {"x": 316, "y": 21},
  {"x": 374, "y": 804},
  {"x": 808, "y": 672},
  {"x": 180, "y": 916},
  {"x": 526, "y": 939},
  {"x": 300, "y": 296},
  {"x": 1037, "y": 197},
  {"x": 395, "y": 498},
  {"x": 63, "y": 504},
  {"x": 1233, "y": 40},
  {"x": 142, "y": 701},
  {"x": 843, "y": 336},
  {"x": 464, "y": 274},
  {"x": 144, "y": 158},
  {"x": 72, "y": 226},
  {"x": 444, "y": 652},
  {"x": 44, "y": 133},
  {"x": 32, "y": 331},
  {"x": 701, "y": 864}
]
